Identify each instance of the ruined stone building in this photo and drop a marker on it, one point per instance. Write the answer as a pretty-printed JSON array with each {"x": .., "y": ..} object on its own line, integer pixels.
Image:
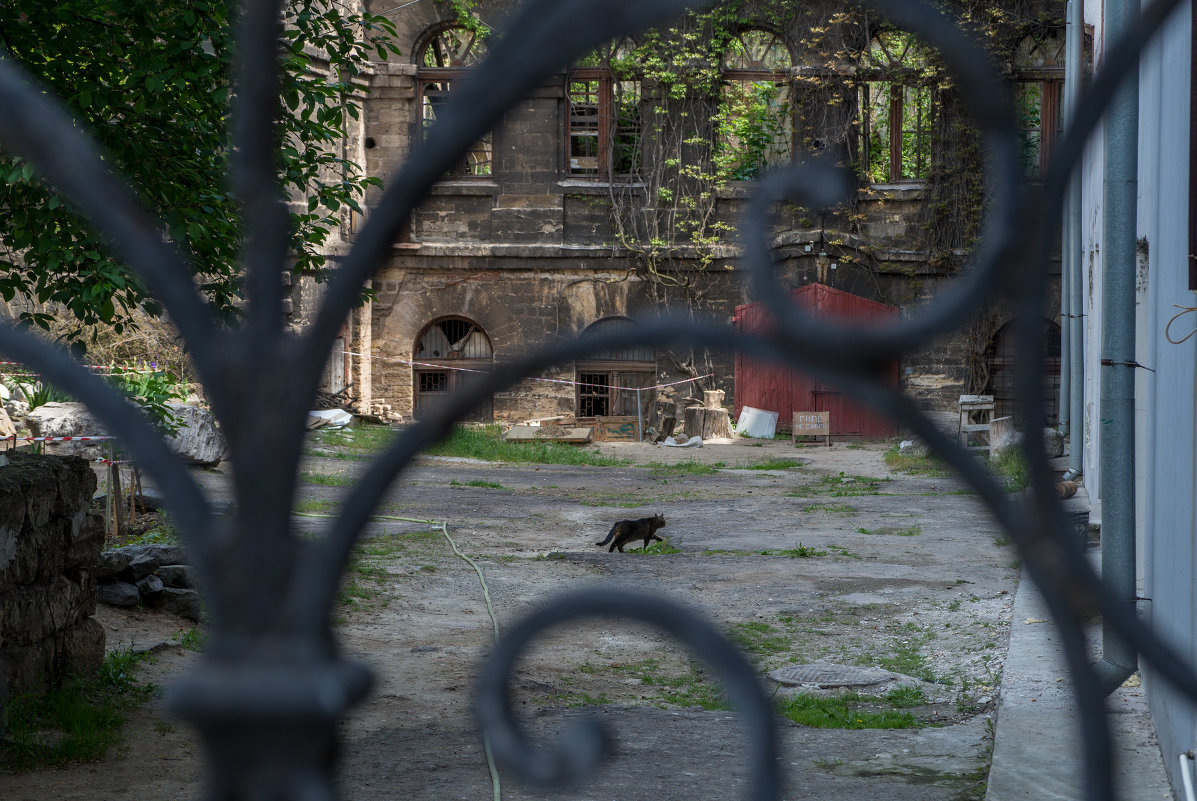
[{"x": 612, "y": 193}]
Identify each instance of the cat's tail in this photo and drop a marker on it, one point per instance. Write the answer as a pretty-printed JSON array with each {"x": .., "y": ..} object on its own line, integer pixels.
[{"x": 610, "y": 534}]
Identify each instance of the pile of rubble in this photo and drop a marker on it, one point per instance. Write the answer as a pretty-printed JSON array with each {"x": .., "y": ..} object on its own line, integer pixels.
[{"x": 156, "y": 576}]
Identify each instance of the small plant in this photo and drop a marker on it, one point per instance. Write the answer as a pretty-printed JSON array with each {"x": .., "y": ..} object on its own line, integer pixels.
[
  {"x": 476, "y": 483},
  {"x": 327, "y": 479},
  {"x": 192, "y": 640},
  {"x": 905, "y": 697},
  {"x": 153, "y": 390},
  {"x": 758, "y": 637}
]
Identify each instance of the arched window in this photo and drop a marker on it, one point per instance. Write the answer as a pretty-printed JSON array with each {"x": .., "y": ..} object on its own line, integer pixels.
[
  {"x": 897, "y": 109},
  {"x": 449, "y": 355},
  {"x": 756, "y": 120},
  {"x": 1038, "y": 92},
  {"x": 444, "y": 58},
  {"x": 603, "y": 136},
  {"x": 608, "y": 382}
]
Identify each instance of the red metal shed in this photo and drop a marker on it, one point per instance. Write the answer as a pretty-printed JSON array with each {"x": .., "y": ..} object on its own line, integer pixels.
[{"x": 776, "y": 388}]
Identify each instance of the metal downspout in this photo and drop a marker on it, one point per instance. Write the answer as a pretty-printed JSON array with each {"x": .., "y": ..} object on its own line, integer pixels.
[
  {"x": 1074, "y": 353},
  {"x": 1120, "y": 155}
]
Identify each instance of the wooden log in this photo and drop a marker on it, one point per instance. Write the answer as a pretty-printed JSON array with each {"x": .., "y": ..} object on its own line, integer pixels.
[
  {"x": 713, "y": 398},
  {"x": 707, "y": 423}
]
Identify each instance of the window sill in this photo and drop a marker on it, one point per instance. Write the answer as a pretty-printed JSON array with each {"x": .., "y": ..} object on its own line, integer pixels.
[
  {"x": 481, "y": 185},
  {"x": 596, "y": 186},
  {"x": 905, "y": 190}
]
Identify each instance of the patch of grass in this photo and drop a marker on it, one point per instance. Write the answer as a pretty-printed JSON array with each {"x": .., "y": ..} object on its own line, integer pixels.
[
  {"x": 907, "y": 531},
  {"x": 688, "y": 468},
  {"x": 800, "y": 552},
  {"x": 775, "y": 464},
  {"x": 317, "y": 505},
  {"x": 840, "y": 550},
  {"x": 1011, "y": 467},
  {"x": 358, "y": 442},
  {"x": 907, "y": 659},
  {"x": 848, "y": 711},
  {"x": 905, "y": 697},
  {"x": 758, "y": 637},
  {"x": 327, "y": 479},
  {"x": 656, "y": 548},
  {"x": 476, "y": 483},
  {"x": 914, "y": 464},
  {"x": 831, "y": 508},
  {"x": 77, "y": 722},
  {"x": 486, "y": 443},
  {"x": 687, "y": 689},
  {"x": 192, "y": 639},
  {"x": 1001, "y": 541},
  {"x": 842, "y": 486}
]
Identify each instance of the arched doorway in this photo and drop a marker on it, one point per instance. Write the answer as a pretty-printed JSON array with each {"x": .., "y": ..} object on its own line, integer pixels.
[
  {"x": 449, "y": 354},
  {"x": 607, "y": 382},
  {"x": 1002, "y": 376}
]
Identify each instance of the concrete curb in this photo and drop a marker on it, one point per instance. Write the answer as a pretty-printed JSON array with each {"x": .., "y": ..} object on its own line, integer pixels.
[{"x": 1037, "y": 750}]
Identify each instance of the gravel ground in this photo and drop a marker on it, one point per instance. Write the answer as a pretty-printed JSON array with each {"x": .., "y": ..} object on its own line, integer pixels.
[{"x": 838, "y": 560}]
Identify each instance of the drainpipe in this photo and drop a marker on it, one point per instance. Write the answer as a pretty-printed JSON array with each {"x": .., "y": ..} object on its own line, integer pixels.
[
  {"x": 1074, "y": 354},
  {"x": 1121, "y": 143}
]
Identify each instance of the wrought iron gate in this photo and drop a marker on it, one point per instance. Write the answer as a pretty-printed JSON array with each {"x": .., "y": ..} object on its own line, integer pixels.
[{"x": 272, "y": 685}]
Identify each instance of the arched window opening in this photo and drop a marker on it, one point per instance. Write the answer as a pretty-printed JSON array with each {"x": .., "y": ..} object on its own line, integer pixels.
[
  {"x": 444, "y": 59},
  {"x": 616, "y": 383},
  {"x": 450, "y": 354},
  {"x": 1002, "y": 373},
  {"x": 1038, "y": 97},
  {"x": 604, "y": 119},
  {"x": 897, "y": 109},
  {"x": 756, "y": 120}
]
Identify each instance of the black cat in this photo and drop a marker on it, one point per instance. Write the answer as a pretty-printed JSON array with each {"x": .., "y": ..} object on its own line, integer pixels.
[{"x": 626, "y": 531}]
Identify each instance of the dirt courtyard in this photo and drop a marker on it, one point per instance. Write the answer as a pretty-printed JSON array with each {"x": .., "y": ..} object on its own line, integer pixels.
[{"x": 834, "y": 560}]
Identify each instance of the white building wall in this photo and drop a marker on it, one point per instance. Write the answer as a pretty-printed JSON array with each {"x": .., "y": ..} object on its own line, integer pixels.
[{"x": 1167, "y": 401}]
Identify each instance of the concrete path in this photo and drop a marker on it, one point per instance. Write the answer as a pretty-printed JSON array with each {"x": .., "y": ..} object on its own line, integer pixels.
[{"x": 1037, "y": 749}]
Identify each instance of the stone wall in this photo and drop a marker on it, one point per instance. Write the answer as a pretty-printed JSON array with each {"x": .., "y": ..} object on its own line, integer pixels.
[{"x": 49, "y": 544}]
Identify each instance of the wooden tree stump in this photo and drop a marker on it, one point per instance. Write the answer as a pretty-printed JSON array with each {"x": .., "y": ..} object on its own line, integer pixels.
[
  {"x": 707, "y": 423},
  {"x": 713, "y": 398}
]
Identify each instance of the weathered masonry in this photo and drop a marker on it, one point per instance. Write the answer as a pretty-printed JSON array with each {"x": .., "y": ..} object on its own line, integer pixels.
[{"x": 612, "y": 192}]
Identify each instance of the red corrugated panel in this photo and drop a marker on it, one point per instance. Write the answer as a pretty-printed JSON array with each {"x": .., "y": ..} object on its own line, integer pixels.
[{"x": 776, "y": 388}]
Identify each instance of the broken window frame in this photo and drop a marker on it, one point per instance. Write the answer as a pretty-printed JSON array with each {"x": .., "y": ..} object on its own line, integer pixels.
[
  {"x": 898, "y": 107},
  {"x": 1038, "y": 76},
  {"x": 447, "y": 55},
  {"x": 755, "y": 59},
  {"x": 610, "y": 377},
  {"x": 438, "y": 375},
  {"x": 602, "y": 120}
]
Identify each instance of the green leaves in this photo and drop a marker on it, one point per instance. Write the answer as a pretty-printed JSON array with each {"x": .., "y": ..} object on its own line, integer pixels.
[{"x": 149, "y": 80}]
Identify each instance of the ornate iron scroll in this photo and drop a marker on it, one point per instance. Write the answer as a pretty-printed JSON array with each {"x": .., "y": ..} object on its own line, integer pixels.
[{"x": 271, "y": 685}]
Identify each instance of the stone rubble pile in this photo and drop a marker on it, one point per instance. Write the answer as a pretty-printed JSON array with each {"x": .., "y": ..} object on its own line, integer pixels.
[{"x": 156, "y": 576}]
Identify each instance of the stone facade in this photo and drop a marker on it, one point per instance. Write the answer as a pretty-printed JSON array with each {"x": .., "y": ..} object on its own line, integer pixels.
[
  {"x": 526, "y": 252},
  {"x": 49, "y": 545}
]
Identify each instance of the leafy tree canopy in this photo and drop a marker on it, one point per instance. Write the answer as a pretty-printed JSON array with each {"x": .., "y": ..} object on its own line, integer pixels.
[{"x": 150, "y": 79}]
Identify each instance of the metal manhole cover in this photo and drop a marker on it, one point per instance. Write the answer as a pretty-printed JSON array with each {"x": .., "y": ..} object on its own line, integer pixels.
[{"x": 826, "y": 676}]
